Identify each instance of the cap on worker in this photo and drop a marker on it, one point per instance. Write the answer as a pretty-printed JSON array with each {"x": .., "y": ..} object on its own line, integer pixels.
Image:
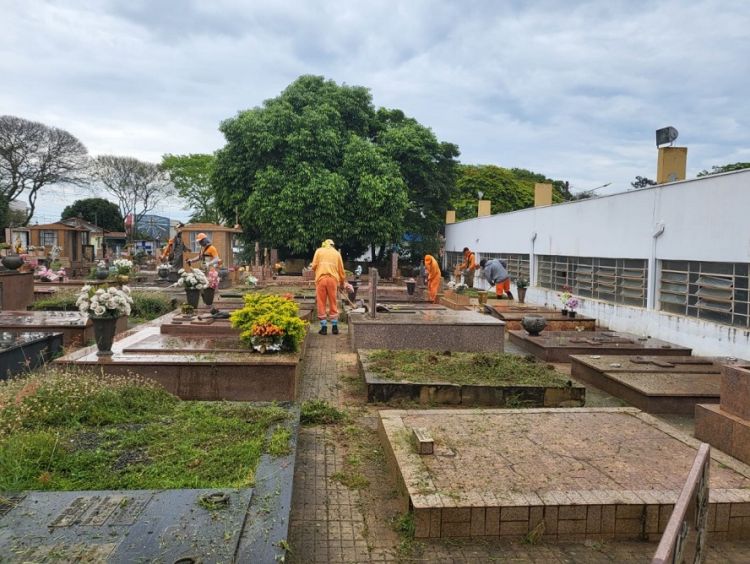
[
  {"x": 200, "y": 236},
  {"x": 328, "y": 243},
  {"x": 482, "y": 262}
]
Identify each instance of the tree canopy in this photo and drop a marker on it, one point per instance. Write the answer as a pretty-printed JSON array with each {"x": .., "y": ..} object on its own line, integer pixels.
[
  {"x": 642, "y": 182},
  {"x": 191, "y": 176},
  {"x": 724, "y": 168},
  {"x": 34, "y": 155},
  {"x": 507, "y": 189},
  {"x": 138, "y": 186},
  {"x": 319, "y": 161},
  {"x": 98, "y": 211}
]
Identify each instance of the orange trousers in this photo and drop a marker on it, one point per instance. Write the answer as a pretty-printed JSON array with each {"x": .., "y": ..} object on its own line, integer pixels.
[
  {"x": 325, "y": 290},
  {"x": 433, "y": 286},
  {"x": 502, "y": 287}
]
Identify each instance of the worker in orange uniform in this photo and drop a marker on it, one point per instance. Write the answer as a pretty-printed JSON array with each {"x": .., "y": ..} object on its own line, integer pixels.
[
  {"x": 168, "y": 253},
  {"x": 432, "y": 271},
  {"x": 207, "y": 253},
  {"x": 468, "y": 266},
  {"x": 329, "y": 275}
]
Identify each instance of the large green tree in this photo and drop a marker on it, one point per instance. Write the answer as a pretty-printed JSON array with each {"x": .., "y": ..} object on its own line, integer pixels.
[
  {"x": 98, "y": 211},
  {"x": 507, "y": 189},
  {"x": 191, "y": 176},
  {"x": 319, "y": 161}
]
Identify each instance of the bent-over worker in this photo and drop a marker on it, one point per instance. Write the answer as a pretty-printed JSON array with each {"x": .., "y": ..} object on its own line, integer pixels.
[
  {"x": 432, "y": 271},
  {"x": 497, "y": 275},
  {"x": 329, "y": 275}
]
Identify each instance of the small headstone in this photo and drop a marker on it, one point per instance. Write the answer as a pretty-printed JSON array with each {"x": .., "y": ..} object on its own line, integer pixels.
[{"x": 423, "y": 441}]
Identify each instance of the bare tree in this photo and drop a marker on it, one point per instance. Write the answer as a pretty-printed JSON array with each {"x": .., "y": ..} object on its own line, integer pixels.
[
  {"x": 138, "y": 186},
  {"x": 34, "y": 155}
]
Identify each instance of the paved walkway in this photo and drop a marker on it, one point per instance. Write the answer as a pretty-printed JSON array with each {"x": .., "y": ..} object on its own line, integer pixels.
[{"x": 331, "y": 522}]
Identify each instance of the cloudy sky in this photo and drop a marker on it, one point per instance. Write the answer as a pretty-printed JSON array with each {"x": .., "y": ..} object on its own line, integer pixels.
[{"x": 570, "y": 89}]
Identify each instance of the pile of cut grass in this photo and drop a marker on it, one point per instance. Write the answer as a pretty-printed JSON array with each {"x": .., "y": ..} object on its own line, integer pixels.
[
  {"x": 74, "y": 430},
  {"x": 489, "y": 369}
]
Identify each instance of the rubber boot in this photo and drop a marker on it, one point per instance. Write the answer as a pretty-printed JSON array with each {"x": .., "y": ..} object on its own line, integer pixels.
[
  {"x": 335, "y": 329},
  {"x": 510, "y": 296},
  {"x": 323, "y": 331}
]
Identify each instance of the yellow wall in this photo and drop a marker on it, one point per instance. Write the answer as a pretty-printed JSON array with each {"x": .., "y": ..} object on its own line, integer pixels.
[{"x": 671, "y": 164}]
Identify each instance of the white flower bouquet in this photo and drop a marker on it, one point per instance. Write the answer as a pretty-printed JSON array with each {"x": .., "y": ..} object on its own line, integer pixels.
[
  {"x": 123, "y": 266},
  {"x": 251, "y": 280},
  {"x": 193, "y": 280},
  {"x": 104, "y": 302}
]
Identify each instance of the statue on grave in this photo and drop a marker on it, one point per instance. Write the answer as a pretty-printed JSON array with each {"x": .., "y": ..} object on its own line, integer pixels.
[{"x": 178, "y": 249}]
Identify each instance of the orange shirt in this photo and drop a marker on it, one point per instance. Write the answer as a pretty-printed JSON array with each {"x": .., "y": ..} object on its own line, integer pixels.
[
  {"x": 209, "y": 251},
  {"x": 469, "y": 261},
  {"x": 327, "y": 262}
]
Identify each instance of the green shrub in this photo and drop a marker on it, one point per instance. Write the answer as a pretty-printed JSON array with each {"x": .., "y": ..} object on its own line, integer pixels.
[
  {"x": 262, "y": 309},
  {"x": 150, "y": 305},
  {"x": 65, "y": 301}
]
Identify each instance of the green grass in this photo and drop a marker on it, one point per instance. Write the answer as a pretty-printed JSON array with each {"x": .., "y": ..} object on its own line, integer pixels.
[
  {"x": 319, "y": 412},
  {"x": 496, "y": 369},
  {"x": 146, "y": 305},
  {"x": 77, "y": 431}
]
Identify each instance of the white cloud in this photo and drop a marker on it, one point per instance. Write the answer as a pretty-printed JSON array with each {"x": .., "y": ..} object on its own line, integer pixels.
[{"x": 573, "y": 90}]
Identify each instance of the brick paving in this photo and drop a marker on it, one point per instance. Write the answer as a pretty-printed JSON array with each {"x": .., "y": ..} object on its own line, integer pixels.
[{"x": 332, "y": 523}]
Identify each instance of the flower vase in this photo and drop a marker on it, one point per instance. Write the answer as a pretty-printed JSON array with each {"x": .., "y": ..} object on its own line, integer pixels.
[
  {"x": 571, "y": 313},
  {"x": 12, "y": 261},
  {"x": 564, "y": 311},
  {"x": 208, "y": 296},
  {"x": 522, "y": 295},
  {"x": 104, "y": 334},
  {"x": 193, "y": 296},
  {"x": 102, "y": 274}
]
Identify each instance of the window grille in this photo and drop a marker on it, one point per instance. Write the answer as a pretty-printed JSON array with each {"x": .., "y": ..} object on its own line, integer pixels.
[
  {"x": 715, "y": 291},
  {"x": 49, "y": 238}
]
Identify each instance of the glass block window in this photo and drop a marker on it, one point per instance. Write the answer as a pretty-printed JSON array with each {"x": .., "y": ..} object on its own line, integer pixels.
[
  {"x": 517, "y": 265},
  {"x": 715, "y": 291},
  {"x": 611, "y": 280}
]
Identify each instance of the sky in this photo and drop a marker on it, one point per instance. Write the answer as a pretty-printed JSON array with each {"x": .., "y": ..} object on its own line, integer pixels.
[{"x": 573, "y": 90}]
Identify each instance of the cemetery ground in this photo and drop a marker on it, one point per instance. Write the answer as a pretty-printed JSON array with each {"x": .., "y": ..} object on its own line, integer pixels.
[{"x": 346, "y": 505}]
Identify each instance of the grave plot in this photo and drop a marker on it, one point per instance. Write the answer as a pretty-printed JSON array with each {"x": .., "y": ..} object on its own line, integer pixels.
[
  {"x": 727, "y": 426},
  {"x": 470, "y": 379},
  {"x": 183, "y": 359},
  {"x": 433, "y": 329},
  {"x": 557, "y": 346},
  {"x": 552, "y": 474},
  {"x": 75, "y": 327},
  {"x": 556, "y": 321},
  {"x": 656, "y": 384},
  {"x": 244, "y": 522},
  {"x": 21, "y": 351}
]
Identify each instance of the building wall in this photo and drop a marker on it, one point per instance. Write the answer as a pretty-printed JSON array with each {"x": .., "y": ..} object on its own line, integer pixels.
[{"x": 704, "y": 219}]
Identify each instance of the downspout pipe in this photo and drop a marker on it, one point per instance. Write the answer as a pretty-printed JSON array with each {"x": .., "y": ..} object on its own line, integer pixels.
[{"x": 651, "y": 280}]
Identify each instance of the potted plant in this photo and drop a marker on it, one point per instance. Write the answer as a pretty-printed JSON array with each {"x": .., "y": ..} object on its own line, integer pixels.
[
  {"x": 193, "y": 282},
  {"x": 572, "y": 305},
  {"x": 522, "y": 284},
  {"x": 267, "y": 337},
  {"x": 187, "y": 309},
  {"x": 102, "y": 272},
  {"x": 104, "y": 306},
  {"x": 564, "y": 297},
  {"x": 261, "y": 319},
  {"x": 124, "y": 268},
  {"x": 213, "y": 283}
]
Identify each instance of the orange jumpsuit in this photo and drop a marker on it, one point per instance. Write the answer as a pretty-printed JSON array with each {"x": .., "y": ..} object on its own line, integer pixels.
[
  {"x": 329, "y": 274},
  {"x": 168, "y": 249},
  {"x": 433, "y": 277}
]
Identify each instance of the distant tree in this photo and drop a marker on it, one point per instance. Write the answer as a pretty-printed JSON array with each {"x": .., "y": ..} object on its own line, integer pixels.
[
  {"x": 98, "y": 211},
  {"x": 319, "y": 161},
  {"x": 642, "y": 182},
  {"x": 507, "y": 189},
  {"x": 138, "y": 186},
  {"x": 724, "y": 168},
  {"x": 191, "y": 176},
  {"x": 34, "y": 155}
]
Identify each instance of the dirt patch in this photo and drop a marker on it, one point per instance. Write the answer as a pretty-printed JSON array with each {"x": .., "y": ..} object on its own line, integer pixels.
[{"x": 131, "y": 458}]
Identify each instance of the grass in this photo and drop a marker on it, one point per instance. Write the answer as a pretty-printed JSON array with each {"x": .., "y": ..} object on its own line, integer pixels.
[
  {"x": 146, "y": 305},
  {"x": 496, "y": 369},
  {"x": 319, "y": 412},
  {"x": 72, "y": 430}
]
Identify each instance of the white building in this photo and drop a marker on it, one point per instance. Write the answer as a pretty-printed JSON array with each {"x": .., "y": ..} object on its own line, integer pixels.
[{"x": 670, "y": 261}]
